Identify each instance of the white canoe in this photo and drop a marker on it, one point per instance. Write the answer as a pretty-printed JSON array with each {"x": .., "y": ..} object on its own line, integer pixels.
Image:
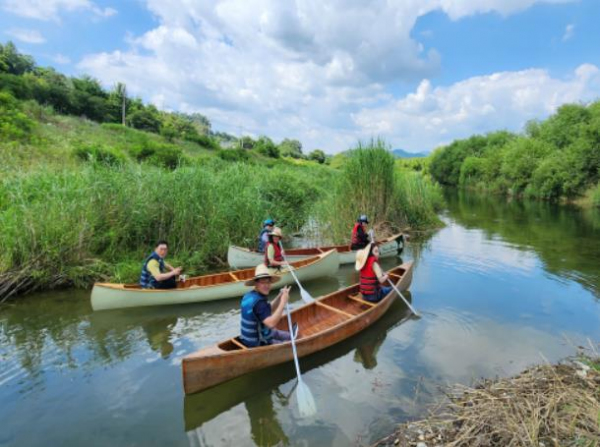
[
  {"x": 206, "y": 288},
  {"x": 239, "y": 257}
]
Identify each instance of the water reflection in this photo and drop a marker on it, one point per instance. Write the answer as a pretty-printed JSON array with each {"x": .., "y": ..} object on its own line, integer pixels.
[
  {"x": 258, "y": 390},
  {"x": 565, "y": 238}
]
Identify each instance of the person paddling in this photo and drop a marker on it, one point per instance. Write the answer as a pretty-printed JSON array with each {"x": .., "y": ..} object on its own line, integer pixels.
[
  {"x": 273, "y": 256},
  {"x": 259, "y": 317},
  {"x": 360, "y": 237},
  {"x": 156, "y": 273},
  {"x": 371, "y": 275},
  {"x": 263, "y": 237}
]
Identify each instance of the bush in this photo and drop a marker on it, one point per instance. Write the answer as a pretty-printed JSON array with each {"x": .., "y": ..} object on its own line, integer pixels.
[
  {"x": 233, "y": 154},
  {"x": 14, "y": 123},
  {"x": 100, "y": 154}
]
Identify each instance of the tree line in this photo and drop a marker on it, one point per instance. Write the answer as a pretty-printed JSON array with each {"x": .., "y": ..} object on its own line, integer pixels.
[
  {"x": 84, "y": 96},
  {"x": 554, "y": 158}
]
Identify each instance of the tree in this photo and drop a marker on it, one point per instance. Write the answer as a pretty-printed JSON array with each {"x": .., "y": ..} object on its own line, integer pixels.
[
  {"x": 13, "y": 62},
  {"x": 291, "y": 148},
  {"x": 147, "y": 119},
  {"x": 265, "y": 146},
  {"x": 318, "y": 155}
]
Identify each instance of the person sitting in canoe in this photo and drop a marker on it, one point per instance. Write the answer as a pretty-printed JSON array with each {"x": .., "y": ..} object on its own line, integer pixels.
[
  {"x": 156, "y": 273},
  {"x": 360, "y": 237},
  {"x": 371, "y": 275},
  {"x": 259, "y": 317},
  {"x": 263, "y": 237},
  {"x": 273, "y": 255}
]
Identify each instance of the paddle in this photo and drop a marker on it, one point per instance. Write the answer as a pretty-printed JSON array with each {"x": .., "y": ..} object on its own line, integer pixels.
[
  {"x": 306, "y": 297},
  {"x": 306, "y": 401},
  {"x": 404, "y": 299}
]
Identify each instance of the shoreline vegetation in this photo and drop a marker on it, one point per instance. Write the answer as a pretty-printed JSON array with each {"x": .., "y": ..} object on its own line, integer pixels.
[
  {"x": 83, "y": 199},
  {"x": 557, "y": 159},
  {"x": 545, "y": 405}
]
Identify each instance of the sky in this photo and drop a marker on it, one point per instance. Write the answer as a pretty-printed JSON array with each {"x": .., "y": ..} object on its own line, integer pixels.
[{"x": 417, "y": 73}]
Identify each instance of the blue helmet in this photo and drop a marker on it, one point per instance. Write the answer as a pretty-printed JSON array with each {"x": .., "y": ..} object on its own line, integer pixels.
[
  {"x": 363, "y": 218},
  {"x": 268, "y": 222}
]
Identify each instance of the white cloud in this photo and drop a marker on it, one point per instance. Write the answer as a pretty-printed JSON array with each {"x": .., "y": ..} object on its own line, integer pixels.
[
  {"x": 569, "y": 31},
  {"x": 317, "y": 71},
  {"x": 26, "y": 35},
  {"x": 431, "y": 116},
  {"x": 60, "y": 59},
  {"x": 50, "y": 9}
]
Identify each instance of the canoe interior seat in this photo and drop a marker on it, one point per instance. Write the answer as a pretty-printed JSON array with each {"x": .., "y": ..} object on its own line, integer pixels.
[
  {"x": 233, "y": 344},
  {"x": 314, "y": 319},
  {"x": 358, "y": 298},
  {"x": 335, "y": 309}
]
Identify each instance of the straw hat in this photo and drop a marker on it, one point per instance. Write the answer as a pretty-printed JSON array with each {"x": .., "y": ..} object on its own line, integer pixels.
[
  {"x": 261, "y": 272},
  {"x": 362, "y": 256},
  {"x": 276, "y": 232}
]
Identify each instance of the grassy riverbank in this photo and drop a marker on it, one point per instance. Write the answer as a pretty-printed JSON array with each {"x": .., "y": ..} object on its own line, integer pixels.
[
  {"x": 546, "y": 405},
  {"x": 81, "y": 202}
]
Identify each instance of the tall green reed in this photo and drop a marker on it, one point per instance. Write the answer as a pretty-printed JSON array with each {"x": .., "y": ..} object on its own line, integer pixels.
[
  {"x": 72, "y": 227},
  {"x": 370, "y": 184}
]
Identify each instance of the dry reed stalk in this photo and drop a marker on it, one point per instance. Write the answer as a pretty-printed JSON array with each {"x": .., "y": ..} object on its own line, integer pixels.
[{"x": 547, "y": 405}]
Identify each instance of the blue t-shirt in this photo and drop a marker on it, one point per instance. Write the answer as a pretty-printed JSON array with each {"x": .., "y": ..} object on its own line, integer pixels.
[{"x": 262, "y": 309}]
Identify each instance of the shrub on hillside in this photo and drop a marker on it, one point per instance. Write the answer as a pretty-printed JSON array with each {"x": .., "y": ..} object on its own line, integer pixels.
[
  {"x": 100, "y": 154},
  {"x": 14, "y": 123}
]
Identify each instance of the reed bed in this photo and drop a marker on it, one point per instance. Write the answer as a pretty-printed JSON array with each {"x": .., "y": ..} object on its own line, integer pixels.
[
  {"x": 393, "y": 199},
  {"x": 547, "y": 405},
  {"x": 73, "y": 227}
]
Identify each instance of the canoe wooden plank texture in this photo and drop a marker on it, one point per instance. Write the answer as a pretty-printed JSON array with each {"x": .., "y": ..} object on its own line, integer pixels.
[
  {"x": 329, "y": 320},
  {"x": 239, "y": 257},
  {"x": 206, "y": 288}
]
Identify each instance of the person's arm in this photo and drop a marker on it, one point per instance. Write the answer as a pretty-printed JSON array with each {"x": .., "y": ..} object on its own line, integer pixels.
[
  {"x": 381, "y": 276},
  {"x": 275, "y": 302},
  {"x": 272, "y": 320},
  {"x": 154, "y": 269}
]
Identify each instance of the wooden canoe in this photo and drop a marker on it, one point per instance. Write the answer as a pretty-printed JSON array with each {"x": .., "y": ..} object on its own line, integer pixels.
[
  {"x": 206, "y": 288},
  {"x": 239, "y": 257},
  {"x": 329, "y": 320}
]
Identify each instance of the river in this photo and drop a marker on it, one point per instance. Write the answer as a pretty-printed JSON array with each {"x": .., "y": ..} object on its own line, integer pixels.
[{"x": 502, "y": 286}]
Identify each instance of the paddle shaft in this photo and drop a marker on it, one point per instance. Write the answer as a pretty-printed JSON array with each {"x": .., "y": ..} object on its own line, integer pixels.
[
  {"x": 303, "y": 293},
  {"x": 403, "y": 299},
  {"x": 289, "y": 318}
]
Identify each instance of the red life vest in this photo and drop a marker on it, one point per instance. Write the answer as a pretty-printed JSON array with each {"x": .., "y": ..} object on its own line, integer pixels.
[
  {"x": 369, "y": 284},
  {"x": 355, "y": 238},
  {"x": 278, "y": 256}
]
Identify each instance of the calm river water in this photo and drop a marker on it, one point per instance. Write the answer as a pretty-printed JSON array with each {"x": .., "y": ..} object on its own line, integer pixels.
[{"x": 501, "y": 286}]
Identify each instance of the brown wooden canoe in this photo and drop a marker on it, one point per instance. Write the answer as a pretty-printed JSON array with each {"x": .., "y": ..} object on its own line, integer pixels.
[{"x": 329, "y": 320}]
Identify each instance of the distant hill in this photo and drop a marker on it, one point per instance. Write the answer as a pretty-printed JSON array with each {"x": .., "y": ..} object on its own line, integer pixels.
[{"x": 401, "y": 153}]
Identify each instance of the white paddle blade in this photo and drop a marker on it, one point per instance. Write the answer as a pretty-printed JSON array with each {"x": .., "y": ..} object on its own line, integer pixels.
[
  {"x": 306, "y": 401},
  {"x": 306, "y": 296}
]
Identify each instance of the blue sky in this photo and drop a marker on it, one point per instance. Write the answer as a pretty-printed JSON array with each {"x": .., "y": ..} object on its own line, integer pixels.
[{"x": 418, "y": 73}]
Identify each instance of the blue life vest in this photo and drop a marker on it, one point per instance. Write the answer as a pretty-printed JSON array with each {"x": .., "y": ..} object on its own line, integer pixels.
[
  {"x": 253, "y": 331},
  {"x": 147, "y": 280},
  {"x": 261, "y": 242}
]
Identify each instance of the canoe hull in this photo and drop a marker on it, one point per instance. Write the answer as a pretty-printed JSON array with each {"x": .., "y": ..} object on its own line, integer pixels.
[
  {"x": 112, "y": 296},
  {"x": 239, "y": 257},
  {"x": 211, "y": 366}
]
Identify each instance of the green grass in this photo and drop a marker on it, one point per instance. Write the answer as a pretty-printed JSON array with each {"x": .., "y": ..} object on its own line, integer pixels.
[
  {"x": 82, "y": 201},
  {"x": 75, "y": 226}
]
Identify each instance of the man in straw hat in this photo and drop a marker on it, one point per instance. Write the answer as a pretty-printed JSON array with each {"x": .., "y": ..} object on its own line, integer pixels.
[
  {"x": 258, "y": 317},
  {"x": 371, "y": 275},
  {"x": 273, "y": 255}
]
